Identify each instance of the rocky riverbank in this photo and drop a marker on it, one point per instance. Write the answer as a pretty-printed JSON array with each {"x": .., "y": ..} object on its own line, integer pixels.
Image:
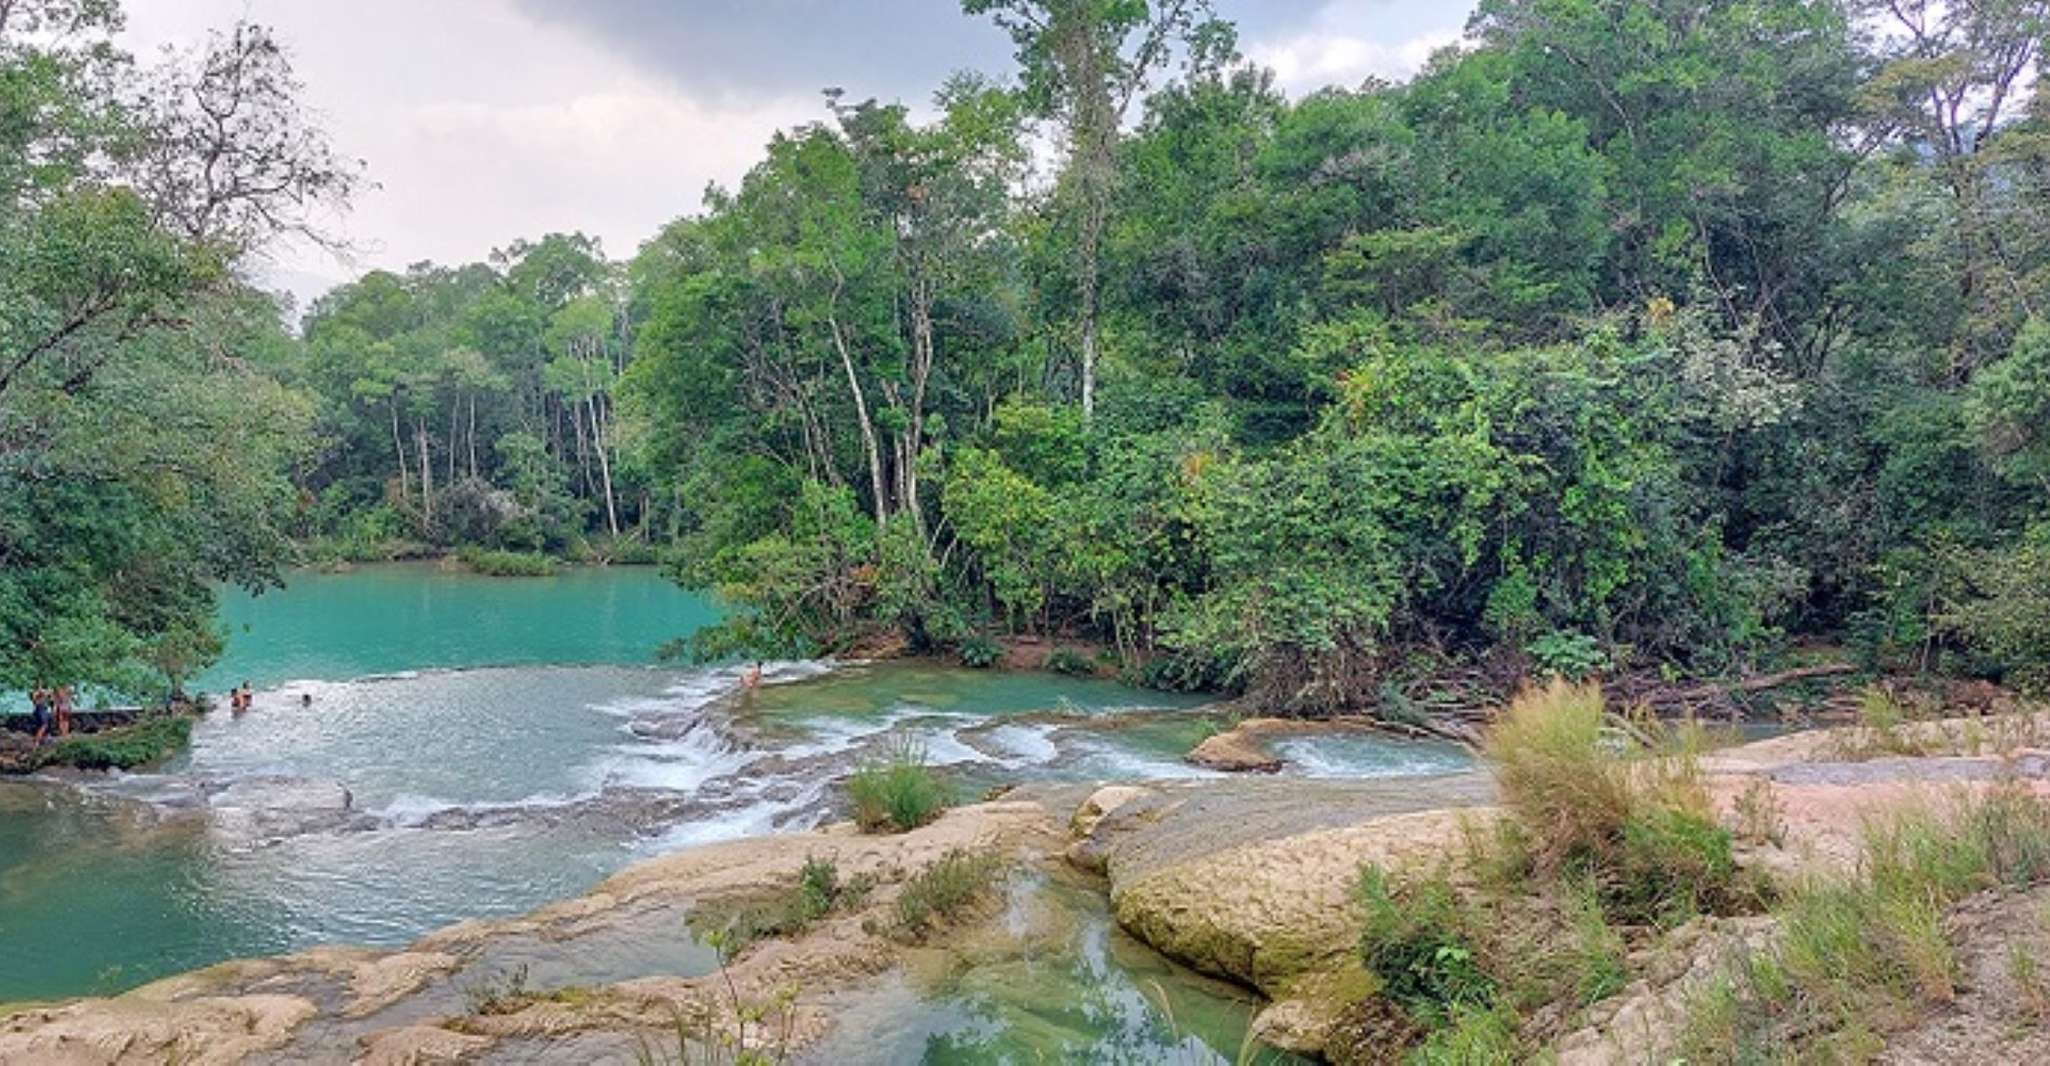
[{"x": 1251, "y": 880}]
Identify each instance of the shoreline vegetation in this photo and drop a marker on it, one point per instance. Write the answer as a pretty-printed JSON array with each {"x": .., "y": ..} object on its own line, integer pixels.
[
  {"x": 1374, "y": 400},
  {"x": 101, "y": 740}
]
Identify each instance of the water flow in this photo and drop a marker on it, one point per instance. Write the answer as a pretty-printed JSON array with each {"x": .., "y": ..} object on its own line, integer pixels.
[{"x": 405, "y": 795}]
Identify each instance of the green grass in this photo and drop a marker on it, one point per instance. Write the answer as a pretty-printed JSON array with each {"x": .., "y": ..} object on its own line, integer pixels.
[
  {"x": 123, "y": 748},
  {"x": 954, "y": 884},
  {"x": 1619, "y": 802},
  {"x": 493, "y": 562},
  {"x": 1419, "y": 939},
  {"x": 732, "y": 926},
  {"x": 897, "y": 793},
  {"x": 1860, "y": 954},
  {"x": 1608, "y": 832}
]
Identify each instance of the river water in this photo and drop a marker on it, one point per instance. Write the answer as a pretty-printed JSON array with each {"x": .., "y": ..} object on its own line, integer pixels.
[{"x": 476, "y": 747}]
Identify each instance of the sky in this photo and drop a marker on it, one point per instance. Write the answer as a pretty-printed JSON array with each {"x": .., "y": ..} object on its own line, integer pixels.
[{"x": 482, "y": 121}]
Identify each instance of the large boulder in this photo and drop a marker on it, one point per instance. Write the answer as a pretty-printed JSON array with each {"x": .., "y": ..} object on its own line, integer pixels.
[{"x": 1253, "y": 880}]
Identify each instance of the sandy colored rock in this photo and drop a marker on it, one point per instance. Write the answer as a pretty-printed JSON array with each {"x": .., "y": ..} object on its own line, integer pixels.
[
  {"x": 1238, "y": 749},
  {"x": 1271, "y": 912},
  {"x": 1101, "y": 803},
  {"x": 137, "y": 1029},
  {"x": 226, "y": 1012},
  {"x": 419, "y": 1045},
  {"x": 379, "y": 982}
]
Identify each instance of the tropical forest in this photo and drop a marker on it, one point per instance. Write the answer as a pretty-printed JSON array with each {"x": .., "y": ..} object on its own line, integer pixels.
[{"x": 1117, "y": 556}]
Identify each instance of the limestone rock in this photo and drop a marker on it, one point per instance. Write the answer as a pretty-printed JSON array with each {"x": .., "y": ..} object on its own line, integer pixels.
[
  {"x": 1237, "y": 750},
  {"x": 1101, "y": 803}
]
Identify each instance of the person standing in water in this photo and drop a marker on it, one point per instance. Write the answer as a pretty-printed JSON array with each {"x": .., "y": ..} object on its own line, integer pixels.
[
  {"x": 61, "y": 701},
  {"x": 752, "y": 680}
]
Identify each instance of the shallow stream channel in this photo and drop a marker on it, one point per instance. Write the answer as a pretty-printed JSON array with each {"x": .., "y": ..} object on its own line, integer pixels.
[{"x": 428, "y": 747}]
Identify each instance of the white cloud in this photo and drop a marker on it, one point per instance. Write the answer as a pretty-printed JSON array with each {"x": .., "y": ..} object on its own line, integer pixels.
[
  {"x": 1345, "y": 41},
  {"x": 1311, "y": 61},
  {"x": 481, "y": 125}
]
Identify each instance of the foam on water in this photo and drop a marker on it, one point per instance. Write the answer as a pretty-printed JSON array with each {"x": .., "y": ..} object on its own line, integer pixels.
[{"x": 1364, "y": 756}]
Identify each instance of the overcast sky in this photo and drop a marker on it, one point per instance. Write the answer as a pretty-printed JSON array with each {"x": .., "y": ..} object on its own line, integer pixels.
[{"x": 487, "y": 120}]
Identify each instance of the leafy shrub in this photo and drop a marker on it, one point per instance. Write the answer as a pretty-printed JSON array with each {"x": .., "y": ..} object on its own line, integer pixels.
[
  {"x": 981, "y": 653},
  {"x": 1070, "y": 662},
  {"x": 125, "y": 748},
  {"x": 1573, "y": 656},
  {"x": 954, "y": 883},
  {"x": 495, "y": 562},
  {"x": 1416, "y": 940},
  {"x": 898, "y": 793}
]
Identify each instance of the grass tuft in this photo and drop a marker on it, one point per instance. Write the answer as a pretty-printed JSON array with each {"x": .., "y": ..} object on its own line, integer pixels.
[
  {"x": 820, "y": 891},
  {"x": 897, "y": 793},
  {"x": 953, "y": 885}
]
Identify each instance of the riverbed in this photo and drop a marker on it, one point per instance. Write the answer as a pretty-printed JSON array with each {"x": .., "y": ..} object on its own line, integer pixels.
[{"x": 428, "y": 747}]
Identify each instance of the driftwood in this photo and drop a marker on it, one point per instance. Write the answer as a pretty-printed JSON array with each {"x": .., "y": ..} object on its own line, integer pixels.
[{"x": 1721, "y": 690}]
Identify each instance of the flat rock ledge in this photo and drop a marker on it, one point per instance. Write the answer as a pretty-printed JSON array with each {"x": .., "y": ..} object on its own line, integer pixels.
[{"x": 418, "y": 1004}]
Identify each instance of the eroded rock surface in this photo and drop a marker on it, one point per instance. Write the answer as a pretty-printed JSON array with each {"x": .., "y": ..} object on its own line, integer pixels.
[{"x": 427, "y": 1003}]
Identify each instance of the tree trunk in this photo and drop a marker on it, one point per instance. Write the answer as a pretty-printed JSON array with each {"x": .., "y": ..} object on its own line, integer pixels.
[
  {"x": 398, "y": 443},
  {"x": 921, "y": 371},
  {"x": 868, "y": 429},
  {"x": 473, "y": 434},
  {"x": 426, "y": 471},
  {"x": 604, "y": 466}
]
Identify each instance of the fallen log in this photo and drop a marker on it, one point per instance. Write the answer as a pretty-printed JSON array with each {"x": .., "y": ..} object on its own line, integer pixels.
[{"x": 1760, "y": 683}]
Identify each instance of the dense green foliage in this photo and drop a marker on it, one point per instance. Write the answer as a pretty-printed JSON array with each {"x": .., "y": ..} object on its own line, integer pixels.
[
  {"x": 145, "y": 441},
  {"x": 1621, "y": 334},
  {"x": 122, "y": 748},
  {"x": 1624, "y": 334}
]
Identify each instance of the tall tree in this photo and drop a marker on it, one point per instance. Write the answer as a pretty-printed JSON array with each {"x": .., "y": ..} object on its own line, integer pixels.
[{"x": 1084, "y": 63}]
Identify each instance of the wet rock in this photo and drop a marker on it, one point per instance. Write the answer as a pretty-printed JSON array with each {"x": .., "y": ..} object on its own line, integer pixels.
[
  {"x": 1238, "y": 749},
  {"x": 272, "y": 807}
]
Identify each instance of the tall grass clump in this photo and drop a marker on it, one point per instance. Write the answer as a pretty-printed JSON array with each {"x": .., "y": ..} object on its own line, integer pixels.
[
  {"x": 954, "y": 884},
  {"x": 1608, "y": 826},
  {"x": 1863, "y": 953},
  {"x": 1617, "y": 801},
  {"x": 898, "y": 792}
]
